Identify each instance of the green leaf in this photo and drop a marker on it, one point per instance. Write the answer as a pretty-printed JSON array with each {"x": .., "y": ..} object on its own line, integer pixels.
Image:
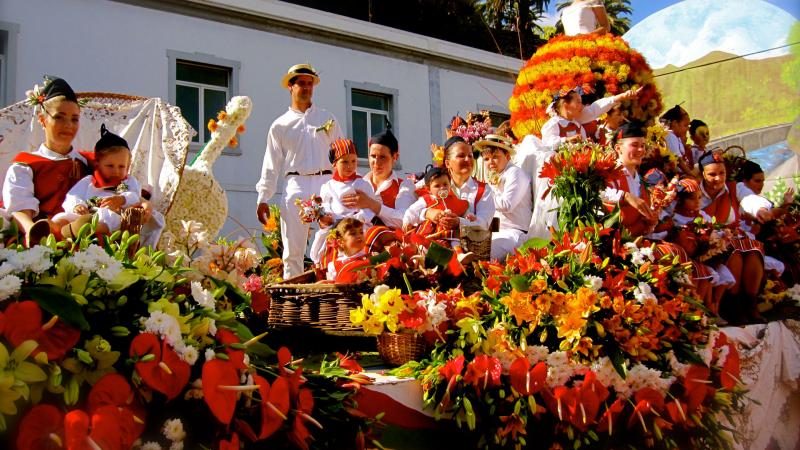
[
  {"x": 520, "y": 283},
  {"x": 618, "y": 360},
  {"x": 57, "y": 302},
  {"x": 379, "y": 258},
  {"x": 438, "y": 256},
  {"x": 536, "y": 243}
]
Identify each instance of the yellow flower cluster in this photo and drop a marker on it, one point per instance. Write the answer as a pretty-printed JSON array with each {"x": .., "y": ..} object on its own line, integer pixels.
[{"x": 378, "y": 310}]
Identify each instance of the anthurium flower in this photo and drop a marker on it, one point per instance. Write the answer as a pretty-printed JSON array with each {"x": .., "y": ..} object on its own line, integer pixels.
[
  {"x": 483, "y": 372},
  {"x": 42, "y": 428},
  {"x": 696, "y": 388},
  {"x": 100, "y": 430},
  {"x": 232, "y": 444},
  {"x": 23, "y": 321},
  {"x": 305, "y": 405},
  {"x": 227, "y": 337},
  {"x": 527, "y": 380},
  {"x": 729, "y": 375},
  {"x": 275, "y": 404},
  {"x": 113, "y": 390},
  {"x": 609, "y": 417},
  {"x": 348, "y": 363},
  {"x": 166, "y": 372},
  {"x": 220, "y": 388},
  {"x": 648, "y": 400}
]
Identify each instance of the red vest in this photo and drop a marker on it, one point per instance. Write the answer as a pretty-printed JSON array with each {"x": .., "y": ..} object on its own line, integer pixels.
[
  {"x": 571, "y": 126},
  {"x": 348, "y": 270},
  {"x": 52, "y": 179},
  {"x": 722, "y": 206},
  {"x": 458, "y": 206},
  {"x": 389, "y": 195},
  {"x": 590, "y": 128},
  {"x": 630, "y": 218}
]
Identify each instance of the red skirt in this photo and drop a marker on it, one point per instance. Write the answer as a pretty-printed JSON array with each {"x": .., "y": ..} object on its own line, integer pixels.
[{"x": 745, "y": 245}]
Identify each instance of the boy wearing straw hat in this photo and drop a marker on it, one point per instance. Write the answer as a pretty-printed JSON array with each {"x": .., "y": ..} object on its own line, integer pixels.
[
  {"x": 512, "y": 194},
  {"x": 297, "y": 150}
]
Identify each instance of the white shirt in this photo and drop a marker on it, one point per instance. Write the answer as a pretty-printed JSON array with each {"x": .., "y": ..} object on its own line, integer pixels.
[
  {"x": 332, "y": 192},
  {"x": 675, "y": 145},
  {"x": 512, "y": 199},
  {"x": 614, "y": 195},
  {"x": 18, "y": 185},
  {"x": 84, "y": 190},
  {"x": 393, "y": 217},
  {"x": 579, "y": 18},
  {"x": 750, "y": 202},
  {"x": 331, "y": 272},
  {"x": 550, "y": 133},
  {"x": 682, "y": 221},
  {"x": 295, "y": 145}
]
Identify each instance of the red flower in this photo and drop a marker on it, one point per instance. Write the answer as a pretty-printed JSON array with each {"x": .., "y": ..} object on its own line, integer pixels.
[
  {"x": 452, "y": 368},
  {"x": 114, "y": 391},
  {"x": 413, "y": 318},
  {"x": 233, "y": 444},
  {"x": 305, "y": 405},
  {"x": 648, "y": 400},
  {"x": 609, "y": 417},
  {"x": 348, "y": 363},
  {"x": 166, "y": 372},
  {"x": 527, "y": 380},
  {"x": 220, "y": 380},
  {"x": 729, "y": 376},
  {"x": 259, "y": 302},
  {"x": 696, "y": 388},
  {"x": 226, "y": 338},
  {"x": 23, "y": 321},
  {"x": 101, "y": 430},
  {"x": 42, "y": 428},
  {"x": 483, "y": 372},
  {"x": 274, "y": 404}
]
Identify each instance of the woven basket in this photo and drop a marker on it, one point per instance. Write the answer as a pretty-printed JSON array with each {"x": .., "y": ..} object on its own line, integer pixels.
[
  {"x": 323, "y": 306},
  {"x": 399, "y": 348}
]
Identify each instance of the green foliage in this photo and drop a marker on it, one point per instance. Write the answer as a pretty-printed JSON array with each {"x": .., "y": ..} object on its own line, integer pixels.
[{"x": 790, "y": 74}]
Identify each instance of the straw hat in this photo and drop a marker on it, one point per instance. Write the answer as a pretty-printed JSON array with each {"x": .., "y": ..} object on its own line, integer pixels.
[
  {"x": 494, "y": 140},
  {"x": 299, "y": 69}
]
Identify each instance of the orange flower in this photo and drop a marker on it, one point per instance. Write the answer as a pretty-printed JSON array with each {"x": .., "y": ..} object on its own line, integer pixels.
[
  {"x": 212, "y": 125},
  {"x": 233, "y": 142},
  {"x": 222, "y": 115},
  {"x": 241, "y": 129}
]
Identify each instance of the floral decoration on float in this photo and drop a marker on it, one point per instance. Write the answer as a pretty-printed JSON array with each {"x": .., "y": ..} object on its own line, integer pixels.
[
  {"x": 604, "y": 62},
  {"x": 589, "y": 340},
  {"x": 199, "y": 196}
]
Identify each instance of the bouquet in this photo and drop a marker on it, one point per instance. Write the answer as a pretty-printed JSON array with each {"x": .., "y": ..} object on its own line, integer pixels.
[
  {"x": 311, "y": 209},
  {"x": 709, "y": 242},
  {"x": 657, "y": 155},
  {"x": 475, "y": 128}
]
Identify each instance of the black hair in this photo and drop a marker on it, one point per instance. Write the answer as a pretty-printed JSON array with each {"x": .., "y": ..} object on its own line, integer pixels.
[
  {"x": 748, "y": 170},
  {"x": 674, "y": 114},
  {"x": 448, "y": 144},
  {"x": 433, "y": 172},
  {"x": 694, "y": 125}
]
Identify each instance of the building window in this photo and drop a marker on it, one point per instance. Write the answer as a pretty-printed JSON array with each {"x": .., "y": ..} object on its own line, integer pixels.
[
  {"x": 498, "y": 118},
  {"x": 8, "y": 56},
  {"x": 201, "y": 85},
  {"x": 369, "y": 108}
]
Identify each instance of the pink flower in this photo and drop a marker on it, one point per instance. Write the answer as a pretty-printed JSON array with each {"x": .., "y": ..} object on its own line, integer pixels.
[{"x": 253, "y": 284}]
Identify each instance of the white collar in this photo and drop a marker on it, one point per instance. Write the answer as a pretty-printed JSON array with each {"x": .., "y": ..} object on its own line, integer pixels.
[
  {"x": 705, "y": 194},
  {"x": 55, "y": 156}
]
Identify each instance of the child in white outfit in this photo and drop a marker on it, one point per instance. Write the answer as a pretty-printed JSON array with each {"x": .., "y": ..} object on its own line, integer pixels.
[{"x": 106, "y": 192}]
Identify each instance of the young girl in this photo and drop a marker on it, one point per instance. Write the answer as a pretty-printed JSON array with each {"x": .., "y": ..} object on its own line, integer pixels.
[
  {"x": 677, "y": 122},
  {"x": 36, "y": 183},
  {"x": 698, "y": 131},
  {"x": 567, "y": 114},
  {"x": 106, "y": 192},
  {"x": 349, "y": 237},
  {"x": 345, "y": 181},
  {"x": 437, "y": 195}
]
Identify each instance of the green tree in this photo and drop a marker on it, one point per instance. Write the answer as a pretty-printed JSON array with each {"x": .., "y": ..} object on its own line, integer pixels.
[
  {"x": 508, "y": 17},
  {"x": 790, "y": 74},
  {"x": 615, "y": 10}
]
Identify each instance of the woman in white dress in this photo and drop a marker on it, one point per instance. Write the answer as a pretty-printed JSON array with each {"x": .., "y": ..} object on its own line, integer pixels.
[{"x": 584, "y": 17}]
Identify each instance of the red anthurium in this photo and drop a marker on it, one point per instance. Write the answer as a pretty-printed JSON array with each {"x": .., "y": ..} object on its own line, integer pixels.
[
  {"x": 113, "y": 390},
  {"x": 259, "y": 302},
  {"x": 527, "y": 380},
  {"x": 305, "y": 405},
  {"x": 114, "y": 427},
  {"x": 24, "y": 321},
  {"x": 220, "y": 388},
  {"x": 561, "y": 401},
  {"x": 227, "y": 337},
  {"x": 483, "y": 372},
  {"x": 76, "y": 428},
  {"x": 232, "y": 444},
  {"x": 166, "y": 372},
  {"x": 609, "y": 417},
  {"x": 696, "y": 388},
  {"x": 591, "y": 395},
  {"x": 101, "y": 430},
  {"x": 729, "y": 376},
  {"x": 348, "y": 363},
  {"x": 647, "y": 400},
  {"x": 284, "y": 357},
  {"x": 42, "y": 428},
  {"x": 453, "y": 367},
  {"x": 275, "y": 404},
  {"x": 677, "y": 411}
]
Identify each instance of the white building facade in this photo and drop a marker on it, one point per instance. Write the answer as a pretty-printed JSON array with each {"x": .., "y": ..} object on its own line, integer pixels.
[{"x": 197, "y": 54}]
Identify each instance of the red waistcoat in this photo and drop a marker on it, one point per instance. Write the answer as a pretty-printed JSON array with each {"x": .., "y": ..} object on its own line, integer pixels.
[
  {"x": 389, "y": 195},
  {"x": 571, "y": 126},
  {"x": 630, "y": 218},
  {"x": 722, "y": 206},
  {"x": 52, "y": 179}
]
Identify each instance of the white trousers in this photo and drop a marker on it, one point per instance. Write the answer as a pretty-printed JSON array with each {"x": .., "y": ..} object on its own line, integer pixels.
[
  {"x": 294, "y": 233},
  {"x": 505, "y": 241}
]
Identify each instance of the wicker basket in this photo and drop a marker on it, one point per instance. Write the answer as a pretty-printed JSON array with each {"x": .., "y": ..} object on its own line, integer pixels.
[
  {"x": 294, "y": 303},
  {"x": 399, "y": 348}
]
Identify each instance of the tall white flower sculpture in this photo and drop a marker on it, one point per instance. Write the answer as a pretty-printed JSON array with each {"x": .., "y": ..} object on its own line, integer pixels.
[{"x": 200, "y": 197}]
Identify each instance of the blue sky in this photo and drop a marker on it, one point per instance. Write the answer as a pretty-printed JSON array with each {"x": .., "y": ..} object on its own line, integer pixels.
[{"x": 643, "y": 8}]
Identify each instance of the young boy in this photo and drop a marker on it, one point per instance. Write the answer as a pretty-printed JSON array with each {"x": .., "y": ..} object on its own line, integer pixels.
[
  {"x": 106, "y": 192},
  {"x": 345, "y": 181},
  {"x": 349, "y": 236},
  {"x": 437, "y": 195},
  {"x": 512, "y": 195}
]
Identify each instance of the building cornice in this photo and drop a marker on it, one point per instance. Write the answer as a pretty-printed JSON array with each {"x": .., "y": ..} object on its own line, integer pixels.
[{"x": 328, "y": 28}]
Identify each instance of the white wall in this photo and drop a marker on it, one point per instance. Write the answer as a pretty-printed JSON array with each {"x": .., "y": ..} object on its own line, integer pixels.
[{"x": 98, "y": 45}]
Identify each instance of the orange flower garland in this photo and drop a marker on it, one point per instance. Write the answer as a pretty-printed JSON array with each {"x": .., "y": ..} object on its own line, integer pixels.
[{"x": 604, "y": 62}]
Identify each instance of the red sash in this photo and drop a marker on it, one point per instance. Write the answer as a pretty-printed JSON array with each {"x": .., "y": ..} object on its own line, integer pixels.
[
  {"x": 389, "y": 195},
  {"x": 458, "y": 206},
  {"x": 52, "y": 179},
  {"x": 722, "y": 205},
  {"x": 348, "y": 270}
]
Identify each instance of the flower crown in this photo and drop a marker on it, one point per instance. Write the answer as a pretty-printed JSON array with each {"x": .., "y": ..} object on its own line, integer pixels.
[{"x": 37, "y": 97}]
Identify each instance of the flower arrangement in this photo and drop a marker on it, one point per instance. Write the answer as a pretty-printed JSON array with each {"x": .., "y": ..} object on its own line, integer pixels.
[
  {"x": 577, "y": 173},
  {"x": 199, "y": 195},
  {"x": 708, "y": 242},
  {"x": 326, "y": 127},
  {"x": 606, "y": 63},
  {"x": 101, "y": 349},
  {"x": 657, "y": 155},
  {"x": 310, "y": 209},
  {"x": 475, "y": 128},
  {"x": 587, "y": 341}
]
